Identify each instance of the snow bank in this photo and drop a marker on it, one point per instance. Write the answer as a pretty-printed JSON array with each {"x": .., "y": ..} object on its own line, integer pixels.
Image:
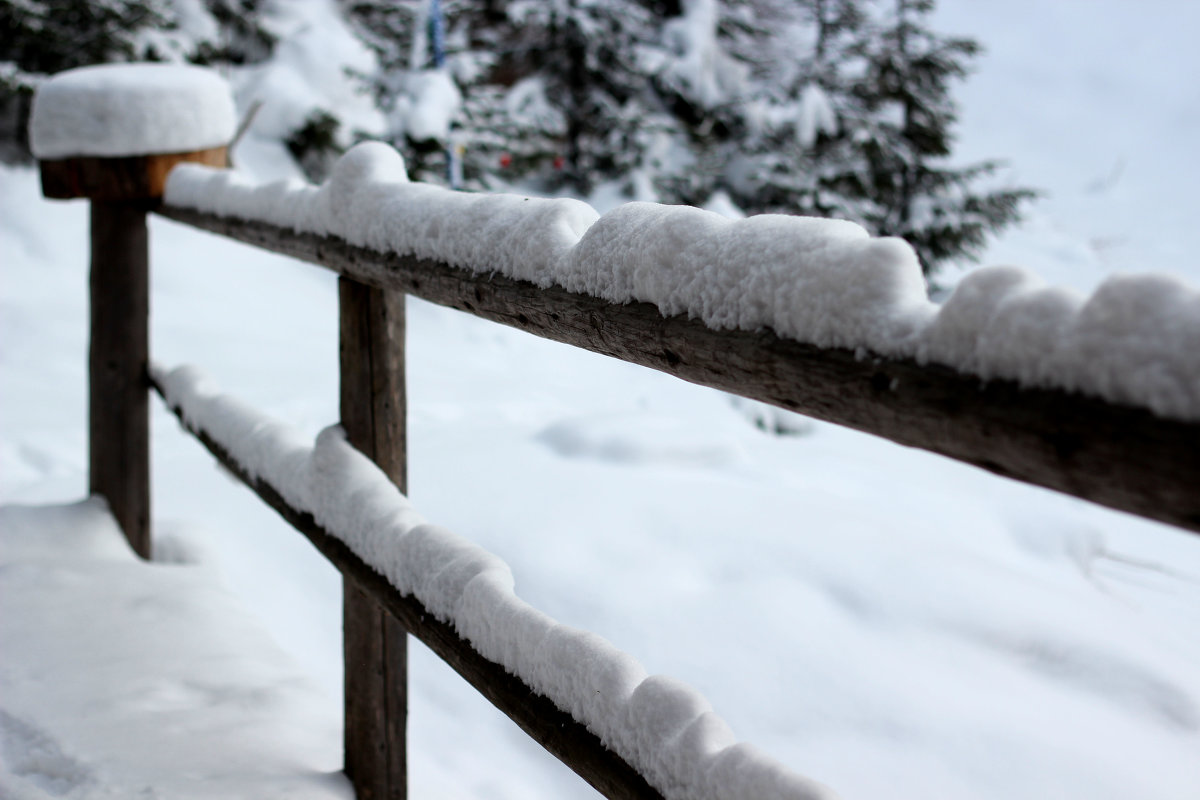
[
  {"x": 664, "y": 729},
  {"x": 131, "y": 109},
  {"x": 124, "y": 678},
  {"x": 818, "y": 281}
]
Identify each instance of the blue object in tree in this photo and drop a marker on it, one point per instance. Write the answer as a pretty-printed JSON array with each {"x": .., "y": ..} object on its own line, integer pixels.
[{"x": 437, "y": 33}]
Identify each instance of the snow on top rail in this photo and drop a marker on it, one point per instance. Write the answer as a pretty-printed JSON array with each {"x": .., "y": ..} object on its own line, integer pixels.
[
  {"x": 1135, "y": 340},
  {"x": 117, "y": 110},
  {"x": 661, "y": 727}
]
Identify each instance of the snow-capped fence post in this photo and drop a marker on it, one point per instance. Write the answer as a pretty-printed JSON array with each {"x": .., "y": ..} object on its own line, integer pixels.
[
  {"x": 374, "y": 643},
  {"x": 111, "y": 134}
]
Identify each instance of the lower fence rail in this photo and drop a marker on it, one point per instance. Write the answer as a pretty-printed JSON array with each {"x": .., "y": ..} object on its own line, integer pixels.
[{"x": 555, "y": 730}]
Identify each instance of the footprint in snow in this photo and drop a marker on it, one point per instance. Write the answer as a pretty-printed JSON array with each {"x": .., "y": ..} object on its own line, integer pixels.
[
  {"x": 32, "y": 755},
  {"x": 640, "y": 438}
]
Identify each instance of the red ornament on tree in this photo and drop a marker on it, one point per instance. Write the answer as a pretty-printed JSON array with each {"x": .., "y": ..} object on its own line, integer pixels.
[
  {"x": 505, "y": 160},
  {"x": 559, "y": 161}
]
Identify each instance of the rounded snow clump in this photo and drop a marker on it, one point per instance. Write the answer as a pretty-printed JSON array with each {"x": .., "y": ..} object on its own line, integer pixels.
[
  {"x": 368, "y": 162},
  {"x": 131, "y": 110},
  {"x": 363, "y": 181}
]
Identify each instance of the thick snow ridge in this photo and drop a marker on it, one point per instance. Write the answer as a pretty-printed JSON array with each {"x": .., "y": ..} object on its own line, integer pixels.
[
  {"x": 131, "y": 110},
  {"x": 663, "y": 728},
  {"x": 1136, "y": 340}
]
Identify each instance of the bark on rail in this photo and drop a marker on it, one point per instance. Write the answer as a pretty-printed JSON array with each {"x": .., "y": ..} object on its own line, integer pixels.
[
  {"x": 1122, "y": 457},
  {"x": 545, "y": 723}
]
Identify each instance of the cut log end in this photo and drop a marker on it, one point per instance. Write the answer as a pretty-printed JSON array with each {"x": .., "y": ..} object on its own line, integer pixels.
[{"x": 120, "y": 178}]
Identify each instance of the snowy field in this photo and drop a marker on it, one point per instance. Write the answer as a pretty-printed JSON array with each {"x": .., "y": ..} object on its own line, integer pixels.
[{"x": 888, "y": 622}]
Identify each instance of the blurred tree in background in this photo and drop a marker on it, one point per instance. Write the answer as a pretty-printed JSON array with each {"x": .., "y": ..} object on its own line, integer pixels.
[
  {"x": 903, "y": 132},
  {"x": 838, "y": 108},
  {"x": 824, "y": 107}
]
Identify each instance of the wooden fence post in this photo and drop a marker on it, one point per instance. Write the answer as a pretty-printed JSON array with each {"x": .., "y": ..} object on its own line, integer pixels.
[
  {"x": 371, "y": 354},
  {"x": 105, "y": 134},
  {"x": 118, "y": 359},
  {"x": 121, "y": 190}
]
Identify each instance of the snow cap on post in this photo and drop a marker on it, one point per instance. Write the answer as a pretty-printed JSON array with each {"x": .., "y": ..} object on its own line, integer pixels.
[{"x": 114, "y": 131}]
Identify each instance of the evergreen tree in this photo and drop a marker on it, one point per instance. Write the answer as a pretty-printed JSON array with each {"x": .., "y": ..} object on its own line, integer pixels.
[
  {"x": 398, "y": 31},
  {"x": 241, "y": 35},
  {"x": 904, "y": 135},
  {"x": 593, "y": 63},
  {"x": 863, "y": 131},
  {"x": 798, "y": 149},
  {"x": 716, "y": 53},
  {"x": 552, "y": 90},
  {"x": 836, "y": 108}
]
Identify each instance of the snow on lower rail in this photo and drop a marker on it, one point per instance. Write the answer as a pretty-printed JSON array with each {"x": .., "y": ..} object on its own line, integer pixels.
[
  {"x": 661, "y": 727},
  {"x": 1136, "y": 340}
]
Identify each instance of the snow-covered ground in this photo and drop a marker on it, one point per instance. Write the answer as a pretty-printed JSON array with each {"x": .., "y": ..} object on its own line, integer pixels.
[
  {"x": 886, "y": 621},
  {"x": 127, "y": 679}
]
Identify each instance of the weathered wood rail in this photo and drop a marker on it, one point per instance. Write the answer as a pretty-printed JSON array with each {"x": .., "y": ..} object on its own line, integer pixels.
[
  {"x": 553, "y": 729},
  {"x": 1122, "y": 457}
]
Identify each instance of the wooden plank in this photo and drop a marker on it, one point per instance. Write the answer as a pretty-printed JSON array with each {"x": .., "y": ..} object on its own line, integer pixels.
[
  {"x": 118, "y": 357},
  {"x": 371, "y": 355},
  {"x": 1122, "y": 457},
  {"x": 119, "y": 178},
  {"x": 553, "y": 729}
]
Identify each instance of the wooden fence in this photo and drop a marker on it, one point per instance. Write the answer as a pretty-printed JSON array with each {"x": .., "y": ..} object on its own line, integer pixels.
[{"x": 1122, "y": 457}]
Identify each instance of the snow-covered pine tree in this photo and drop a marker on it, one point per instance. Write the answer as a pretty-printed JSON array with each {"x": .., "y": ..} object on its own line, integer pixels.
[
  {"x": 906, "y": 186},
  {"x": 825, "y": 107},
  {"x": 595, "y": 64},
  {"x": 396, "y": 30},
  {"x": 796, "y": 150},
  {"x": 555, "y": 93},
  {"x": 712, "y": 56},
  {"x": 241, "y": 36}
]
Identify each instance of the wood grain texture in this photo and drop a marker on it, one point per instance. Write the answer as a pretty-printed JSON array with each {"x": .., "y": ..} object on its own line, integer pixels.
[
  {"x": 553, "y": 729},
  {"x": 1122, "y": 457},
  {"x": 371, "y": 355},
  {"x": 118, "y": 358},
  {"x": 122, "y": 178}
]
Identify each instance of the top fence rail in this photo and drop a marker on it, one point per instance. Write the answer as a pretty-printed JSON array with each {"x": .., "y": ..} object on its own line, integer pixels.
[{"x": 1119, "y": 456}]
